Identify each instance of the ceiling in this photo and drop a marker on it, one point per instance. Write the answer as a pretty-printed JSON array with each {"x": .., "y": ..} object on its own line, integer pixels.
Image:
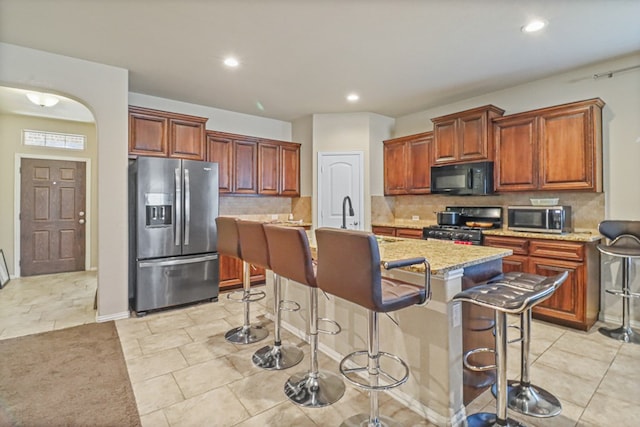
[{"x": 300, "y": 57}]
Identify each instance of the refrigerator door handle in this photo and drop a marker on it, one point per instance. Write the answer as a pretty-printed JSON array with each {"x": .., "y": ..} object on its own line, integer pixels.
[
  {"x": 172, "y": 262},
  {"x": 178, "y": 223},
  {"x": 187, "y": 206}
]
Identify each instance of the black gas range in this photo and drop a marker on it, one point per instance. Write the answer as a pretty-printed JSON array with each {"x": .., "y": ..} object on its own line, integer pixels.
[{"x": 468, "y": 230}]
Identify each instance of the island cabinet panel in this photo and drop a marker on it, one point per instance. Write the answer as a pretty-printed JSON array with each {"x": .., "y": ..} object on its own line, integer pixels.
[
  {"x": 220, "y": 151},
  {"x": 465, "y": 136},
  {"x": 516, "y": 162},
  {"x": 166, "y": 134},
  {"x": 407, "y": 164},
  {"x": 255, "y": 166},
  {"x": 554, "y": 148},
  {"x": 245, "y": 154},
  {"x": 230, "y": 273},
  {"x": 576, "y": 302}
]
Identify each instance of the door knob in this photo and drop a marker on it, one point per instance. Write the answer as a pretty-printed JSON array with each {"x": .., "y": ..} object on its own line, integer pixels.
[
  {"x": 81, "y": 221},
  {"x": 81, "y": 213}
]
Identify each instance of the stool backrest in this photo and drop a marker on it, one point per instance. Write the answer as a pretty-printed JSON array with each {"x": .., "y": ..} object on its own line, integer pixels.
[
  {"x": 289, "y": 253},
  {"x": 621, "y": 232},
  {"x": 253, "y": 242},
  {"x": 228, "y": 239},
  {"x": 349, "y": 266}
]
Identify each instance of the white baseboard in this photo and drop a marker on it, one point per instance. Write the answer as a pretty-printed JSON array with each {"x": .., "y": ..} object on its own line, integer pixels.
[{"x": 114, "y": 316}]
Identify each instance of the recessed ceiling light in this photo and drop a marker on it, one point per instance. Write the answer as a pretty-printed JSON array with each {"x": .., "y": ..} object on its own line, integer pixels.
[
  {"x": 43, "y": 99},
  {"x": 231, "y": 62},
  {"x": 353, "y": 97},
  {"x": 534, "y": 25}
]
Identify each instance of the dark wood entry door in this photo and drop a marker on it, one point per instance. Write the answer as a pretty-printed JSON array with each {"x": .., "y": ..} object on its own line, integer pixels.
[{"x": 52, "y": 216}]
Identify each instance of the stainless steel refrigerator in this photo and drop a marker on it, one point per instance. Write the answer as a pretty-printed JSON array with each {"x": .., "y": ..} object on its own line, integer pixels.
[{"x": 173, "y": 205}]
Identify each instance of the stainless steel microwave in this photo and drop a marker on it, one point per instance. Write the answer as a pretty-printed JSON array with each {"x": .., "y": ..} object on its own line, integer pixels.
[
  {"x": 541, "y": 219},
  {"x": 465, "y": 179}
]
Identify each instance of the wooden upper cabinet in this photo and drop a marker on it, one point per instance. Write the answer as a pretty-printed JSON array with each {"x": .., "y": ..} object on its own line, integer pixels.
[
  {"x": 250, "y": 165},
  {"x": 570, "y": 146},
  {"x": 268, "y": 168},
  {"x": 465, "y": 136},
  {"x": 290, "y": 170},
  {"x": 220, "y": 150},
  {"x": 516, "y": 162},
  {"x": 407, "y": 164},
  {"x": 245, "y": 155},
  {"x": 166, "y": 134},
  {"x": 554, "y": 148},
  {"x": 147, "y": 134}
]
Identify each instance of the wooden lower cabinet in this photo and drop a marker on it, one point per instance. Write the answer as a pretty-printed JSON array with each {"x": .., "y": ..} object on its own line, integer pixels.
[
  {"x": 408, "y": 233},
  {"x": 576, "y": 302},
  {"x": 230, "y": 271}
]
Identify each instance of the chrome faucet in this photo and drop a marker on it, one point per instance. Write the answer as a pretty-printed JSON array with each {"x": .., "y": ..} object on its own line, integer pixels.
[{"x": 344, "y": 213}]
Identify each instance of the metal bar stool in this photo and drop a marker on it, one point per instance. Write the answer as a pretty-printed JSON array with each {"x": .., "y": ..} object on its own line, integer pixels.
[
  {"x": 522, "y": 396},
  {"x": 624, "y": 243},
  {"x": 515, "y": 297},
  {"x": 229, "y": 245},
  {"x": 290, "y": 257},
  {"x": 255, "y": 251},
  {"x": 357, "y": 278}
]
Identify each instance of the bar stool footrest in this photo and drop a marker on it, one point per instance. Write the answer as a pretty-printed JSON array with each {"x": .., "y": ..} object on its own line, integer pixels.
[
  {"x": 621, "y": 293},
  {"x": 288, "y": 305},
  {"x": 332, "y": 322},
  {"x": 250, "y": 296},
  {"x": 353, "y": 375},
  {"x": 475, "y": 368}
]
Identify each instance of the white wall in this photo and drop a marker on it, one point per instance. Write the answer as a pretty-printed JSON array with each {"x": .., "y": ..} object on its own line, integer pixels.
[
  {"x": 351, "y": 132},
  {"x": 104, "y": 90},
  {"x": 303, "y": 134},
  {"x": 220, "y": 120},
  {"x": 621, "y": 121}
]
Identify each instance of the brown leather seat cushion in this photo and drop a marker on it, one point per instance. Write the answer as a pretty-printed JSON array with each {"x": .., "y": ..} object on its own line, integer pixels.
[
  {"x": 253, "y": 243},
  {"x": 289, "y": 253},
  {"x": 228, "y": 239}
]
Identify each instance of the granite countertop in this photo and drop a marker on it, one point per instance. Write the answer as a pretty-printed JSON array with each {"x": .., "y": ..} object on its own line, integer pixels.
[
  {"x": 585, "y": 236},
  {"x": 443, "y": 256}
]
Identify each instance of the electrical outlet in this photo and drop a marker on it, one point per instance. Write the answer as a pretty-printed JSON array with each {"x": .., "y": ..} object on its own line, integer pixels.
[
  {"x": 274, "y": 216},
  {"x": 415, "y": 218}
]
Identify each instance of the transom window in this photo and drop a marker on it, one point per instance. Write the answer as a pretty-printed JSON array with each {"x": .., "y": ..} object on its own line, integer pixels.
[{"x": 66, "y": 141}]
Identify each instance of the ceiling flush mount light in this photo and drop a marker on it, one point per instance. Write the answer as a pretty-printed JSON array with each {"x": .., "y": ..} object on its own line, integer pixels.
[
  {"x": 353, "y": 97},
  {"x": 43, "y": 99},
  {"x": 534, "y": 25},
  {"x": 231, "y": 62}
]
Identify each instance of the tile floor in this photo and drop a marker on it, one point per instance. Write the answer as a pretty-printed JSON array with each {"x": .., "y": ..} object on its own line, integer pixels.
[{"x": 184, "y": 373}]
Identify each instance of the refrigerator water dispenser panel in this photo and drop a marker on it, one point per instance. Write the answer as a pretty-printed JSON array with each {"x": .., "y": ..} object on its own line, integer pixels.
[{"x": 158, "y": 207}]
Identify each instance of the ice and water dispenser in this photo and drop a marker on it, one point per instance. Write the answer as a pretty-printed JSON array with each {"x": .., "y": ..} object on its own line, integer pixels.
[{"x": 158, "y": 207}]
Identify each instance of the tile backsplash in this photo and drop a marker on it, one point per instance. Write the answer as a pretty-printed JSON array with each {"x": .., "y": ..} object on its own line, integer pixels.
[
  {"x": 265, "y": 207},
  {"x": 587, "y": 208}
]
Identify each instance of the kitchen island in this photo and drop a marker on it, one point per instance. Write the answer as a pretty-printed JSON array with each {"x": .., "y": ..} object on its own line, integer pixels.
[{"x": 429, "y": 338}]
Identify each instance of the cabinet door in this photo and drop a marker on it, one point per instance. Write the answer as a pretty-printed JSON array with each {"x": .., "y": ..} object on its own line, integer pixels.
[
  {"x": 409, "y": 233},
  {"x": 186, "y": 139},
  {"x": 230, "y": 272},
  {"x": 516, "y": 162},
  {"x": 268, "y": 168},
  {"x": 445, "y": 141},
  {"x": 257, "y": 275},
  {"x": 567, "y": 302},
  {"x": 517, "y": 263},
  {"x": 245, "y": 155},
  {"x": 567, "y": 150},
  {"x": 220, "y": 151},
  {"x": 383, "y": 231},
  {"x": 148, "y": 135},
  {"x": 395, "y": 155},
  {"x": 419, "y": 159},
  {"x": 518, "y": 245},
  {"x": 290, "y": 170},
  {"x": 473, "y": 140}
]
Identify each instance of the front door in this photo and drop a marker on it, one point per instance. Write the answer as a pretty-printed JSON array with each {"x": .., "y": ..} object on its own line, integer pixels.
[
  {"x": 52, "y": 216},
  {"x": 340, "y": 175}
]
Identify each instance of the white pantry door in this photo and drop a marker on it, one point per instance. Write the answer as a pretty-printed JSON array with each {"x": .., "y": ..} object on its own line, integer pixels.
[{"x": 340, "y": 175}]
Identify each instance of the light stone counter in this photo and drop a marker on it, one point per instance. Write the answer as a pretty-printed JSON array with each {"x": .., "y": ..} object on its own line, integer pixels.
[
  {"x": 428, "y": 338},
  {"x": 586, "y": 236},
  {"x": 405, "y": 223}
]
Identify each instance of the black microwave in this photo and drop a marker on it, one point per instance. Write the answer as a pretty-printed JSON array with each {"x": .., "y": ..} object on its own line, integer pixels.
[
  {"x": 465, "y": 179},
  {"x": 541, "y": 219}
]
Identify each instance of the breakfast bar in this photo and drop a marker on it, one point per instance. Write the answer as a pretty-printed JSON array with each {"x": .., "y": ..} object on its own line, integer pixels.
[{"x": 429, "y": 338}]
